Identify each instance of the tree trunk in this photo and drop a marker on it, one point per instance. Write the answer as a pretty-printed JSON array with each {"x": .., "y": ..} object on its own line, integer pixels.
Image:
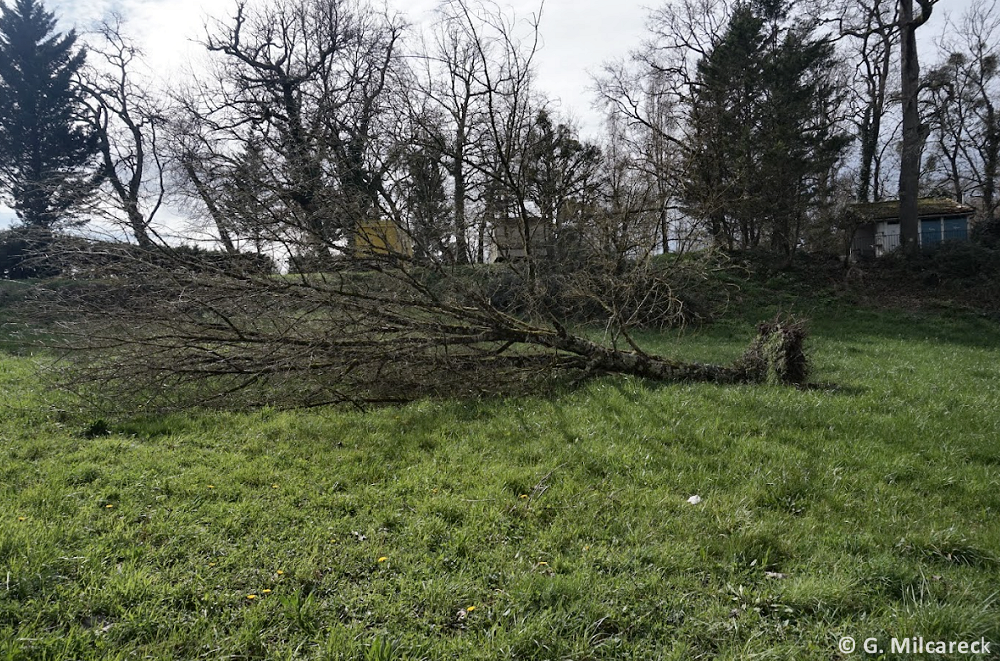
[
  {"x": 868, "y": 139},
  {"x": 458, "y": 175},
  {"x": 991, "y": 163},
  {"x": 909, "y": 167},
  {"x": 208, "y": 197},
  {"x": 871, "y": 126},
  {"x": 775, "y": 356},
  {"x": 138, "y": 224}
]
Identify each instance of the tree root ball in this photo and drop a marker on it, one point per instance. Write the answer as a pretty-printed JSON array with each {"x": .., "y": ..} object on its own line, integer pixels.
[{"x": 776, "y": 355}]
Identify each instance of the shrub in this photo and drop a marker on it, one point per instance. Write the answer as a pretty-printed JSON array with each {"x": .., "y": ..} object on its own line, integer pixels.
[
  {"x": 84, "y": 258},
  {"x": 25, "y": 254},
  {"x": 987, "y": 233},
  {"x": 964, "y": 260}
]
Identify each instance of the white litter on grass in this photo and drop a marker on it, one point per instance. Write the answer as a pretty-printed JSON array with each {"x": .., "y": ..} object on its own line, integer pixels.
[{"x": 694, "y": 500}]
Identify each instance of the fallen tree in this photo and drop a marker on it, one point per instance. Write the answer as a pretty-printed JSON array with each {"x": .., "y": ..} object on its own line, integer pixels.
[{"x": 177, "y": 329}]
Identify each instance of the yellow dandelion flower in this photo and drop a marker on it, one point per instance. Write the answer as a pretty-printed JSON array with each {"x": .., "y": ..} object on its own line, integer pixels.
[
  {"x": 470, "y": 609},
  {"x": 523, "y": 496},
  {"x": 211, "y": 486},
  {"x": 279, "y": 572},
  {"x": 251, "y": 597},
  {"x": 21, "y": 518},
  {"x": 274, "y": 486},
  {"x": 383, "y": 559},
  {"x": 109, "y": 506},
  {"x": 543, "y": 564},
  {"x": 265, "y": 592}
]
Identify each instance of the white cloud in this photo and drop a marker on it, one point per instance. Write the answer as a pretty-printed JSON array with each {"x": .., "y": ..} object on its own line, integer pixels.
[{"x": 577, "y": 35}]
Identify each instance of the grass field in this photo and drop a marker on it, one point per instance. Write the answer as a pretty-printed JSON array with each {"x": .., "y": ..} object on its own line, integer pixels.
[{"x": 553, "y": 527}]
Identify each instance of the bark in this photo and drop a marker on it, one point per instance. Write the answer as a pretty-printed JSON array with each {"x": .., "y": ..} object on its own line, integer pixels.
[
  {"x": 913, "y": 131},
  {"x": 601, "y": 359}
]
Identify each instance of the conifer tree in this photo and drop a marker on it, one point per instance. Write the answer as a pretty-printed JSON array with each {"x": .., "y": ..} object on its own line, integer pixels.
[
  {"x": 46, "y": 153},
  {"x": 762, "y": 145}
]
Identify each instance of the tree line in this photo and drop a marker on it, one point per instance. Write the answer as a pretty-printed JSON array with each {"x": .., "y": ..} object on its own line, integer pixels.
[{"x": 747, "y": 124}]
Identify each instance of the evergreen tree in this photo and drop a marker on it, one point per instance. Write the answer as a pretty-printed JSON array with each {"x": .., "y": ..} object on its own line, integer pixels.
[
  {"x": 726, "y": 117},
  {"x": 561, "y": 174},
  {"x": 46, "y": 154},
  {"x": 764, "y": 140}
]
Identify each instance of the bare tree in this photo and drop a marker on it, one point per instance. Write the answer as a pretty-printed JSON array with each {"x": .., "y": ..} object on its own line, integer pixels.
[
  {"x": 450, "y": 80},
  {"x": 126, "y": 116},
  {"x": 306, "y": 84},
  {"x": 945, "y": 97},
  {"x": 965, "y": 121},
  {"x": 981, "y": 31},
  {"x": 504, "y": 47},
  {"x": 647, "y": 100},
  {"x": 627, "y": 222},
  {"x": 873, "y": 27}
]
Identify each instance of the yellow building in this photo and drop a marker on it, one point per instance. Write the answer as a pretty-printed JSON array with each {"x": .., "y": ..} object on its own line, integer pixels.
[{"x": 381, "y": 238}]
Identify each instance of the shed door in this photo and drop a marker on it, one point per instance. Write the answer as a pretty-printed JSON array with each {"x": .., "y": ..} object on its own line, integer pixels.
[
  {"x": 956, "y": 229},
  {"x": 930, "y": 231}
]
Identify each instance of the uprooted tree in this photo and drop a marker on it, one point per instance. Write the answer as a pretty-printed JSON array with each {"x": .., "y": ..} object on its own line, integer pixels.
[
  {"x": 317, "y": 91},
  {"x": 175, "y": 328}
]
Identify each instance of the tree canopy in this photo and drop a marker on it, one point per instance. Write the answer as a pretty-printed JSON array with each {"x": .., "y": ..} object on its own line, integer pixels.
[
  {"x": 759, "y": 123},
  {"x": 46, "y": 154}
]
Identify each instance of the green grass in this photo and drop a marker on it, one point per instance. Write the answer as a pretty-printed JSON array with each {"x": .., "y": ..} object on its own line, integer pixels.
[{"x": 868, "y": 506}]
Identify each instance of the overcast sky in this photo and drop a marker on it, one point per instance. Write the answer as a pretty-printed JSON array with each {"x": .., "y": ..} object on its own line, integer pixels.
[{"x": 578, "y": 36}]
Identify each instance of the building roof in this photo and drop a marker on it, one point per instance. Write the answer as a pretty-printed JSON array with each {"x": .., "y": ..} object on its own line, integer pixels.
[{"x": 927, "y": 207}]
